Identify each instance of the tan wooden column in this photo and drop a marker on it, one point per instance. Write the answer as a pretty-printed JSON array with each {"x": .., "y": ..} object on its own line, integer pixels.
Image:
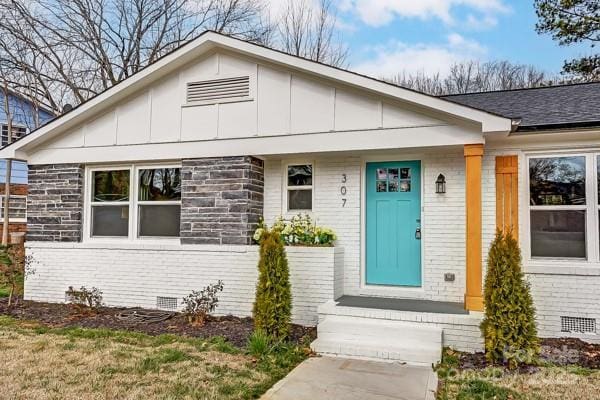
[{"x": 473, "y": 155}]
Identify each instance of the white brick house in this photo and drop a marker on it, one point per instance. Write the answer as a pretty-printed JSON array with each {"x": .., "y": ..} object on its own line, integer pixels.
[{"x": 201, "y": 144}]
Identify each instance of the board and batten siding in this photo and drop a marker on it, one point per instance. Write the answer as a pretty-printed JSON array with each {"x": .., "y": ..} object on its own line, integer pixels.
[{"x": 280, "y": 103}]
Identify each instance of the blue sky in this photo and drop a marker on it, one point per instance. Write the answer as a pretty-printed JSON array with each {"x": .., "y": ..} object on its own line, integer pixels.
[{"x": 388, "y": 36}]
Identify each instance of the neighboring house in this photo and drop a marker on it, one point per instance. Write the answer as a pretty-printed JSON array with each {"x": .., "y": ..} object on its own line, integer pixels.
[
  {"x": 23, "y": 112},
  {"x": 154, "y": 188}
]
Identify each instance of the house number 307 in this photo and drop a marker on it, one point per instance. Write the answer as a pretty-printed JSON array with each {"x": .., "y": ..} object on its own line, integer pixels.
[{"x": 343, "y": 190}]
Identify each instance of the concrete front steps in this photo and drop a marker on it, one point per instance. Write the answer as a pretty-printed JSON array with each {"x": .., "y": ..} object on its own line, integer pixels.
[
  {"x": 356, "y": 337},
  {"x": 395, "y": 330}
]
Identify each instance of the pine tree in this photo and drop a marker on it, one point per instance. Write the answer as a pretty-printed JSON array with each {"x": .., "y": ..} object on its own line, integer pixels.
[
  {"x": 508, "y": 327},
  {"x": 273, "y": 305}
]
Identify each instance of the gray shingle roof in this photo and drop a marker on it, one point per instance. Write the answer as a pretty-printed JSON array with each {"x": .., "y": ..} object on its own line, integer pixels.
[{"x": 541, "y": 108}]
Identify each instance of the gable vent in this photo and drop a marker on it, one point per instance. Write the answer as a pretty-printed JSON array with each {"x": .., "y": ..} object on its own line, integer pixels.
[
  {"x": 218, "y": 89},
  {"x": 578, "y": 325}
]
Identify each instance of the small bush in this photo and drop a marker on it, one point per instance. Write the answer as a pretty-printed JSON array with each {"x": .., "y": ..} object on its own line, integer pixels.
[
  {"x": 259, "y": 344},
  {"x": 199, "y": 304},
  {"x": 273, "y": 305},
  {"x": 508, "y": 326},
  {"x": 91, "y": 298}
]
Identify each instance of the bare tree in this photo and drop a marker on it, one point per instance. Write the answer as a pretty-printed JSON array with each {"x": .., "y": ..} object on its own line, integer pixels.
[
  {"x": 77, "y": 48},
  {"x": 311, "y": 32},
  {"x": 8, "y": 165},
  {"x": 474, "y": 76}
]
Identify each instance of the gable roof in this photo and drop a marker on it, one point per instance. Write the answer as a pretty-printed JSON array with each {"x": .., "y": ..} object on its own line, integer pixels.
[
  {"x": 543, "y": 108},
  {"x": 210, "y": 40}
]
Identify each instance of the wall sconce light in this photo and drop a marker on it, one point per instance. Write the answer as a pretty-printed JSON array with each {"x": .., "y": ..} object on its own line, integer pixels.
[{"x": 440, "y": 184}]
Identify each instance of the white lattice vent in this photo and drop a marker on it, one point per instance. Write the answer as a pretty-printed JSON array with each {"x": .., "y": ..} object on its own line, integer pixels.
[
  {"x": 166, "y": 303},
  {"x": 218, "y": 89},
  {"x": 578, "y": 325}
]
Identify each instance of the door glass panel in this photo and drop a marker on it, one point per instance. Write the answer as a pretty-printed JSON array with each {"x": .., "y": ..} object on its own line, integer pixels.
[
  {"x": 381, "y": 173},
  {"x": 393, "y": 179},
  {"x": 381, "y": 186},
  {"x": 404, "y": 173},
  {"x": 405, "y": 186},
  {"x": 557, "y": 181}
]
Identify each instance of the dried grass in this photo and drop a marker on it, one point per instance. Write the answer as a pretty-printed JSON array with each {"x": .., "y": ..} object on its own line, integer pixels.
[
  {"x": 549, "y": 383},
  {"x": 42, "y": 365}
]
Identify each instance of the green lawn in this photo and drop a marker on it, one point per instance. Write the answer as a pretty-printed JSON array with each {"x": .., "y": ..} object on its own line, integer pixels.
[
  {"x": 3, "y": 291},
  {"x": 548, "y": 383},
  {"x": 73, "y": 363}
]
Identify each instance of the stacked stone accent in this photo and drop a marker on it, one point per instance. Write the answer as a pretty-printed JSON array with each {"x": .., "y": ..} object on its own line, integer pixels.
[
  {"x": 221, "y": 200},
  {"x": 55, "y": 203}
]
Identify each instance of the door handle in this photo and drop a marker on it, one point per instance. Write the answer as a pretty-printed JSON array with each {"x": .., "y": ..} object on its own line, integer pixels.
[{"x": 418, "y": 234}]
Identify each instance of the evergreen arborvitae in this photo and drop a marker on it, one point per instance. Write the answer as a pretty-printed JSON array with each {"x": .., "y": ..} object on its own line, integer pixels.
[
  {"x": 273, "y": 305},
  {"x": 508, "y": 326}
]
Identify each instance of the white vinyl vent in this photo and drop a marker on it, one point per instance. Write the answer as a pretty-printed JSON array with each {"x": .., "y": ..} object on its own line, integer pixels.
[
  {"x": 578, "y": 325},
  {"x": 218, "y": 89},
  {"x": 166, "y": 303}
]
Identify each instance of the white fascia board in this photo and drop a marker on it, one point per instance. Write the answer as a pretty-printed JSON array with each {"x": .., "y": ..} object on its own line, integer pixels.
[
  {"x": 360, "y": 140},
  {"x": 208, "y": 40}
]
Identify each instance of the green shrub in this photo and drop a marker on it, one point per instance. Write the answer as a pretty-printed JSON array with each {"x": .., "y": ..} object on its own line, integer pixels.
[
  {"x": 508, "y": 327},
  {"x": 259, "y": 344},
  {"x": 273, "y": 305}
]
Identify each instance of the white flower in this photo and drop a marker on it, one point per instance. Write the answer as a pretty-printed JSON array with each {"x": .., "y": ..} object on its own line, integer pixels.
[{"x": 258, "y": 234}]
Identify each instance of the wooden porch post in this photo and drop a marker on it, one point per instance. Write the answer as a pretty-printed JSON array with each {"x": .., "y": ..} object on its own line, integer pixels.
[{"x": 473, "y": 296}]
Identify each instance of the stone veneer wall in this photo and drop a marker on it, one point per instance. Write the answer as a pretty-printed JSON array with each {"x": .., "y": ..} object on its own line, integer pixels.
[
  {"x": 55, "y": 202},
  {"x": 221, "y": 199}
]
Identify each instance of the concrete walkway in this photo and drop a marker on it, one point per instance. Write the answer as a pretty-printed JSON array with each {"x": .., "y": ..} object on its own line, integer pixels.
[{"x": 338, "y": 378}]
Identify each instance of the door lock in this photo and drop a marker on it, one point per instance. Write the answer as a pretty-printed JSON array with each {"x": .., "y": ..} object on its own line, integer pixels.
[{"x": 418, "y": 234}]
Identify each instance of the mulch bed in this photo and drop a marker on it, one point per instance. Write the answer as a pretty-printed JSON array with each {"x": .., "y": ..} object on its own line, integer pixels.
[
  {"x": 235, "y": 330},
  {"x": 558, "y": 351}
]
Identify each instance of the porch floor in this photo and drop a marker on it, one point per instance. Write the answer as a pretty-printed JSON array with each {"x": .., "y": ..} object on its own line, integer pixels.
[{"x": 384, "y": 303}]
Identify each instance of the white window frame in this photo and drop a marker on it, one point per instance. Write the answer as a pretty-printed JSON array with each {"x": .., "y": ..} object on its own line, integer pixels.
[
  {"x": 11, "y": 207},
  {"x": 133, "y": 203},
  {"x": 591, "y": 208},
  {"x": 14, "y": 128},
  {"x": 286, "y": 188}
]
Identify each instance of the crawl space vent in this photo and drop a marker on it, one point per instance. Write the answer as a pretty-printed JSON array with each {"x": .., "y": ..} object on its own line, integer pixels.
[
  {"x": 166, "y": 303},
  {"x": 578, "y": 325},
  {"x": 218, "y": 89}
]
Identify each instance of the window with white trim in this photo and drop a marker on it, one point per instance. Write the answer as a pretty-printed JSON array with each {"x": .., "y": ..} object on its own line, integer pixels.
[
  {"x": 17, "y": 132},
  {"x": 559, "y": 206},
  {"x": 134, "y": 202},
  {"x": 299, "y": 187}
]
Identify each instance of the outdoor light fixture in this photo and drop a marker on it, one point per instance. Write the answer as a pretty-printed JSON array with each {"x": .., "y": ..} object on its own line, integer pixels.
[{"x": 440, "y": 184}]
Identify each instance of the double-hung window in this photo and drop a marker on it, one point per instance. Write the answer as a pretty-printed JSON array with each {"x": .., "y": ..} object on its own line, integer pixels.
[
  {"x": 560, "y": 204},
  {"x": 299, "y": 187},
  {"x": 134, "y": 202}
]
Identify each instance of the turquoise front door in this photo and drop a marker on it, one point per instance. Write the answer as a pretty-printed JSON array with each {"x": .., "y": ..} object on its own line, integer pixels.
[{"x": 393, "y": 222}]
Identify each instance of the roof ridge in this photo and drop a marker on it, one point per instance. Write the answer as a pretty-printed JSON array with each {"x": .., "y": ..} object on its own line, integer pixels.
[{"x": 523, "y": 89}]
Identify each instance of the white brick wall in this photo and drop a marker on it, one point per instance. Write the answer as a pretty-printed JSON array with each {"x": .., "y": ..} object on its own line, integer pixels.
[
  {"x": 133, "y": 275},
  {"x": 559, "y": 288},
  {"x": 443, "y": 219}
]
